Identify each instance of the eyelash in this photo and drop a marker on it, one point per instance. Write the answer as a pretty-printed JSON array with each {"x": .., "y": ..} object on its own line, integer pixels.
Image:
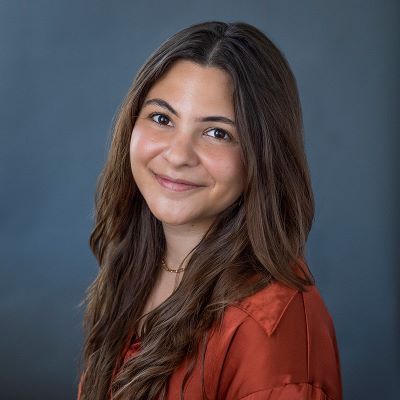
[{"x": 219, "y": 129}]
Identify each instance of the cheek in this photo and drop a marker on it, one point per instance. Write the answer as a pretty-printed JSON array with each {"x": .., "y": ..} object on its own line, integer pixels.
[
  {"x": 141, "y": 148},
  {"x": 228, "y": 168}
]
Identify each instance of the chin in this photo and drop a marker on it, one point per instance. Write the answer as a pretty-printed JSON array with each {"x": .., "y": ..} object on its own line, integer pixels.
[
  {"x": 173, "y": 221},
  {"x": 168, "y": 218}
]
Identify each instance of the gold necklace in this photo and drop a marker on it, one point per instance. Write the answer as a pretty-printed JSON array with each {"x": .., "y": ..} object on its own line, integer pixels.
[{"x": 164, "y": 265}]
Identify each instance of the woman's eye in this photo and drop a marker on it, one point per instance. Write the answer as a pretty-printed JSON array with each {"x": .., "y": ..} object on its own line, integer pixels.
[
  {"x": 160, "y": 119},
  {"x": 221, "y": 134}
]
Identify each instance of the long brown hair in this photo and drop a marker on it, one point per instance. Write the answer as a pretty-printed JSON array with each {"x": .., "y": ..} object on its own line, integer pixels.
[{"x": 257, "y": 239}]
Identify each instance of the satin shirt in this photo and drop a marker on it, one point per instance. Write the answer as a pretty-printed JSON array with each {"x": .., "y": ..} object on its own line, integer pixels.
[{"x": 278, "y": 344}]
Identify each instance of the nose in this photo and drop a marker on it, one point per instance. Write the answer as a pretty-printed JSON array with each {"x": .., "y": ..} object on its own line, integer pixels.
[{"x": 180, "y": 150}]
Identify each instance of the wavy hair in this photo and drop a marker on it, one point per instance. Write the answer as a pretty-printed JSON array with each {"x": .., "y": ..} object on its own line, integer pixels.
[{"x": 258, "y": 239}]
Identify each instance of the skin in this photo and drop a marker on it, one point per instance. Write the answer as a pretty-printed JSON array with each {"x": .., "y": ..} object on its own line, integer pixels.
[{"x": 182, "y": 147}]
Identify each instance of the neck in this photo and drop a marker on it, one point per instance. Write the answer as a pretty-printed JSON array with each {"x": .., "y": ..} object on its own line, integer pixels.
[{"x": 180, "y": 240}]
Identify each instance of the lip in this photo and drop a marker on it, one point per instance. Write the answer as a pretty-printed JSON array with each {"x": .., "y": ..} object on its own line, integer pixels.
[{"x": 176, "y": 185}]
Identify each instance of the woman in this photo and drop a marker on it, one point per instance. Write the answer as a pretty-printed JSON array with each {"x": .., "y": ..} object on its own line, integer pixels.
[{"x": 202, "y": 213}]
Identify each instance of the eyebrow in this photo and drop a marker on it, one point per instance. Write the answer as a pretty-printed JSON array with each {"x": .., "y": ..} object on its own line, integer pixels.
[{"x": 210, "y": 118}]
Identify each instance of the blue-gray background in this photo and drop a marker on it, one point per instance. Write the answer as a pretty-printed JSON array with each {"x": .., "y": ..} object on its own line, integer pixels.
[{"x": 65, "y": 67}]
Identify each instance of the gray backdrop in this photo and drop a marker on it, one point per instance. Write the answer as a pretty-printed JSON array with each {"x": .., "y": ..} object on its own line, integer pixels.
[{"x": 65, "y": 67}]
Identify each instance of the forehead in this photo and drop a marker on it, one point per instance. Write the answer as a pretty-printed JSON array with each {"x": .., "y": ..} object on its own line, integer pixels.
[{"x": 189, "y": 84}]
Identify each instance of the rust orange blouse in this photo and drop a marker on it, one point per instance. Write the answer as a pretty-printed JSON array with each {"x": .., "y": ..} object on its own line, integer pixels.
[{"x": 278, "y": 344}]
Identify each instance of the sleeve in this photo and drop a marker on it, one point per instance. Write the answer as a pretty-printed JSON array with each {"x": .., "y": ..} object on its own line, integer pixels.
[
  {"x": 291, "y": 391},
  {"x": 258, "y": 366}
]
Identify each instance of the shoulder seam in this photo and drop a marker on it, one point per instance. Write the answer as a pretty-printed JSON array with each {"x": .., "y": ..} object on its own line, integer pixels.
[{"x": 307, "y": 335}]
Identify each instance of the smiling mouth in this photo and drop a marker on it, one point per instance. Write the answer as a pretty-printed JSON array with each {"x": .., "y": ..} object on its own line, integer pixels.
[{"x": 174, "y": 186}]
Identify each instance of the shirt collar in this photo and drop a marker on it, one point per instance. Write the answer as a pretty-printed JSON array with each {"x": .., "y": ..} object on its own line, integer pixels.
[{"x": 268, "y": 305}]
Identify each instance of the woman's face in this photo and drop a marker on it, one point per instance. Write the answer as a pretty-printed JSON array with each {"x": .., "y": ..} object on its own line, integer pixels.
[{"x": 185, "y": 131}]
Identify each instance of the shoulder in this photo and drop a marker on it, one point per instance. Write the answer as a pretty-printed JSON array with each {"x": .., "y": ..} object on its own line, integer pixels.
[
  {"x": 276, "y": 337},
  {"x": 273, "y": 307}
]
